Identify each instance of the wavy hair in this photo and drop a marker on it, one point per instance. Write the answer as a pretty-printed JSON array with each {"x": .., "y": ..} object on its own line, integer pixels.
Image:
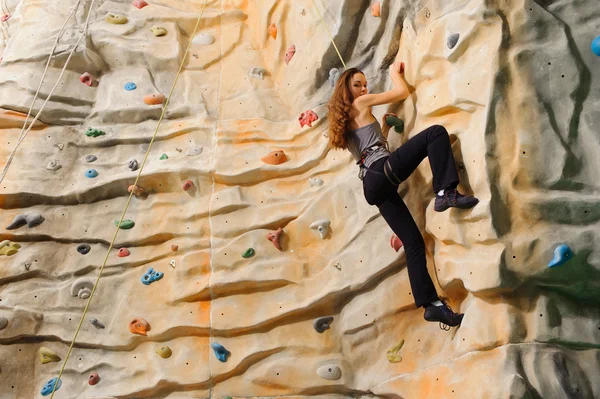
[{"x": 340, "y": 105}]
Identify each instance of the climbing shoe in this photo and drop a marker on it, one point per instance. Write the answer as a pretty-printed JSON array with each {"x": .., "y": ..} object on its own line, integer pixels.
[
  {"x": 452, "y": 198},
  {"x": 443, "y": 314}
]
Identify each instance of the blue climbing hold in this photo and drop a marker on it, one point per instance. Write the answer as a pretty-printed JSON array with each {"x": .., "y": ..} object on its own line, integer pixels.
[
  {"x": 91, "y": 173},
  {"x": 220, "y": 352},
  {"x": 47, "y": 389},
  {"x": 596, "y": 46},
  {"x": 562, "y": 254},
  {"x": 130, "y": 86},
  {"x": 151, "y": 276}
]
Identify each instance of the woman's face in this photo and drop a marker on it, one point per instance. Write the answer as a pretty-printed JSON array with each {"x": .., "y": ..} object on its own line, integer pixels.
[{"x": 358, "y": 85}]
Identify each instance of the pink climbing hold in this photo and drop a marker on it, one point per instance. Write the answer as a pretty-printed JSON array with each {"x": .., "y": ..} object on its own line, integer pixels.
[
  {"x": 188, "y": 185},
  {"x": 307, "y": 118},
  {"x": 395, "y": 243},
  {"x": 5, "y": 17},
  {"x": 87, "y": 79},
  {"x": 290, "y": 54},
  {"x": 274, "y": 237},
  {"x": 154, "y": 99},
  {"x": 139, "y": 4},
  {"x": 123, "y": 252}
]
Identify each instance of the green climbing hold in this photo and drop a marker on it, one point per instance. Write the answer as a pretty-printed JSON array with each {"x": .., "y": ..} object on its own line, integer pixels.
[
  {"x": 227, "y": 397},
  {"x": 91, "y": 132},
  {"x": 125, "y": 224},
  {"x": 249, "y": 253},
  {"x": 163, "y": 156},
  {"x": 396, "y": 122}
]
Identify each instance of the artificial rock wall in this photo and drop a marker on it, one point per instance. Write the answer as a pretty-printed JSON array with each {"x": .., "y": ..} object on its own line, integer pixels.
[{"x": 516, "y": 84}]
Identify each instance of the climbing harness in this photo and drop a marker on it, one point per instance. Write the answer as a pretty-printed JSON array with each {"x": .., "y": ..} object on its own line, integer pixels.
[
  {"x": 164, "y": 109},
  {"x": 387, "y": 168}
]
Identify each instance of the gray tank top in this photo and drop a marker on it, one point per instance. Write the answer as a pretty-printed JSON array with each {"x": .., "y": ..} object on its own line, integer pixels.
[{"x": 364, "y": 137}]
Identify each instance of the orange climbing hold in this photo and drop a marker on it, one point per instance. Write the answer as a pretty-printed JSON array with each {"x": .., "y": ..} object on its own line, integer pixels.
[
  {"x": 139, "y": 326},
  {"x": 174, "y": 247},
  {"x": 395, "y": 243},
  {"x": 123, "y": 252},
  {"x": 275, "y": 157},
  {"x": 139, "y": 4},
  {"x": 187, "y": 185},
  {"x": 137, "y": 190},
  {"x": 376, "y": 9},
  {"x": 274, "y": 237},
  {"x": 154, "y": 99},
  {"x": 272, "y": 31}
]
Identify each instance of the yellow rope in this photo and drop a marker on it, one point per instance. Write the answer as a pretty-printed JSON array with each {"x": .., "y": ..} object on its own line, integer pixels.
[
  {"x": 329, "y": 33},
  {"x": 128, "y": 201}
]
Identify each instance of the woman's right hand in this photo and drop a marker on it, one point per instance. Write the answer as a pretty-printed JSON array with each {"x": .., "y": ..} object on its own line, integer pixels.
[{"x": 397, "y": 68}]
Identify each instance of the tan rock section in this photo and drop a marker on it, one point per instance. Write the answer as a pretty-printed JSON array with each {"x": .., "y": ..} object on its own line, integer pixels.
[{"x": 517, "y": 87}]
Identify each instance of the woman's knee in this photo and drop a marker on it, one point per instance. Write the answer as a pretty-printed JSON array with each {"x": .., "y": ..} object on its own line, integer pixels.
[{"x": 439, "y": 130}]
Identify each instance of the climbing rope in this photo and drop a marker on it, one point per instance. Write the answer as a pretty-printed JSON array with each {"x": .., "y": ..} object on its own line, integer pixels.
[
  {"x": 329, "y": 33},
  {"x": 21, "y": 134},
  {"x": 128, "y": 201}
]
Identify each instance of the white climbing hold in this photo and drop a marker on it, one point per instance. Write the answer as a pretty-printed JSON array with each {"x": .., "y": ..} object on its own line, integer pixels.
[
  {"x": 60, "y": 146},
  {"x": 192, "y": 152},
  {"x": 178, "y": 149},
  {"x": 172, "y": 263},
  {"x": 334, "y": 75},
  {"x": 82, "y": 288},
  {"x": 203, "y": 39},
  {"x": 330, "y": 372},
  {"x": 257, "y": 72},
  {"x": 3, "y": 322},
  {"x": 315, "y": 181},
  {"x": 53, "y": 165},
  {"x": 322, "y": 226}
]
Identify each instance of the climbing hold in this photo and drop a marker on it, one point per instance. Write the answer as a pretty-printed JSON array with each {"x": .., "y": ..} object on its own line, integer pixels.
[
  {"x": 158, "y": 31},
  {"x": 32, "y": 220},
  {"x": 139, "y": 4},
  {"x": 151, "y": 276},
  {"x": 562, "y": 254},
  {"x": 257, "y": 73},
  {"x": 115, "y": 19},
  {"x": 139, "y": 326},
  {"x": 307, "y": 118},
  {"x": 125, "y": 224},
  {"x": 53, "y": 165},
  {"x": 154, "y": 99},
  {"x": 275, "y": 236},
  {"x": 203, "y": 39},
  {"x": 272, "y": 30},
  {"x": 322, "y": 323},
  {"x": 396, "y": 122},
  {"x": 91, "y": 173},
  {"x": 133, "y": 165},
  {"x": 337, "y": 265},
  {"x": 9, "y": 248},
  {"x": 187, "y": 185},
  {"x": 315, "y": 181},
  {"x": 376, "y": 9},
  {"x": 248, "y": 253},
  {"x": 275, "y": 157},
  {"x": 227, "y": 397},
  {"x": 192, "y": 152},
  {"x": 3, "y": 322},
  {"x": 596, "y": 46},
  {"x": 334, "y": 75},
  {"x": 137, "y": 190},
  {"x": 60, "y": 146},
  {"x": 178, "y": 149},
  {"x": 82, "y": 288},
  {"x": 174, "y": 247},
  {"x": 49, "y": 386},
  {"x": 129, "y": 86},
  {"x": 90, "y": 132},
  {"x": 123, "y": 252},
  {"x": 5, "y": 17},
  {"x": 427, "y": 13},
  {"x": 452, "y": 40},
  {"x": 164, "y": 352},
  {"x": 48, "y": 355},
  {"x": 96, "y": 323},
  {"x": 220, "y": 352},
  {"x": 87, "y": 79},
  {"x": 289, "y": 54},
  {"x": 90, "y": 158},
  {"x": 93, "y": 379},
  {"x": 83, "y": 249},
  {"x": 329, "y": 372},
  {"x": 322, "y": 226},
  {"x": 163, "y": 157},
  {"x": 395, "y": 242},
  {"x": 172, "y": 263},
  {"x": 392, "y": 354}
]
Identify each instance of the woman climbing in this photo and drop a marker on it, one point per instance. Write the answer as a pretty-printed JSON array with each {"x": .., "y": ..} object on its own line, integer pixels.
[{"x": 352, "y": 126}]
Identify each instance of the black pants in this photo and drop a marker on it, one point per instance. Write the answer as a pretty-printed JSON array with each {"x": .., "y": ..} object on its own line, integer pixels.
[{"x": 434, "y": 143}]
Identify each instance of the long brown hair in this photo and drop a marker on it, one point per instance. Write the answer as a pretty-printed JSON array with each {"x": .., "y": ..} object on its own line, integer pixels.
[{"x": 340, "y": 105}]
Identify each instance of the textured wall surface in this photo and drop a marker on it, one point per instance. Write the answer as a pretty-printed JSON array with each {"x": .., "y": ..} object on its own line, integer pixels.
[{"x": 518, "y": 90}]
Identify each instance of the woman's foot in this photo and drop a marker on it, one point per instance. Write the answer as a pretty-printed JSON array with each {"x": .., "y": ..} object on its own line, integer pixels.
[
  {"x": 442, "y": 314},
  {"x": 452, "y": 198}
]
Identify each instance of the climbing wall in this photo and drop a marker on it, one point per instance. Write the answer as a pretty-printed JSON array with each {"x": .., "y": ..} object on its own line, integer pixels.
[{"x": 248, "y": 263}]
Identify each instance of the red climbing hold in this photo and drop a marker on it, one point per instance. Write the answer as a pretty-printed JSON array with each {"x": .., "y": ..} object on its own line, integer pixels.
[
  {"x": 93, "y": 379},
  {"x": 87, "y": 79},
  {"x": 395, "y": 243},
  {"x": 307, "y": 118},
  {"x": 174, "y": 247},
  {"x": 5, "y": 17},
  {"x": 274, "y": 237},
  {"x": 290, "y": 54},
  {"x": 123, "y": 252},
  {"x": 272, "y": 31},
  {"x": 139, "y": 4},
  {"x": 187, "y": 185}
]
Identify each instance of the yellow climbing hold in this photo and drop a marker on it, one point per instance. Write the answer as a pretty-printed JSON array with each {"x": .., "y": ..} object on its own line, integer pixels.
[
  {"x": 164, "y": 352},
  {"x": 158, "y": 31},
  {"x": 392, "y": 354},
  {"x": 115, "y": 19},
  {"x": 9, "y": 248},
  {"x": 48, "y": 355}
]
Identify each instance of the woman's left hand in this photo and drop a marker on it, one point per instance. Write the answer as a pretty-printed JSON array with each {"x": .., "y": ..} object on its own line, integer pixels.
[{"x": 386, "y": 115}]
